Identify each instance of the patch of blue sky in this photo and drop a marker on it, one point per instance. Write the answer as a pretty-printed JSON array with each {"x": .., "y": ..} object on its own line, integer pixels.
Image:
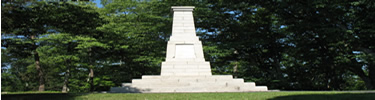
[
  {"x": 356, "y": 52},
  {"x": 238, "y": 14},
  {"x": 204, "y": 31},
  {"x": 282, "y": 26},
  {"x": 98, "y": 3}
]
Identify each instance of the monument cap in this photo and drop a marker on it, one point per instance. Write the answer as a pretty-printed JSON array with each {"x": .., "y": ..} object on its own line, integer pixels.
[{"x": 182, "y": 8}]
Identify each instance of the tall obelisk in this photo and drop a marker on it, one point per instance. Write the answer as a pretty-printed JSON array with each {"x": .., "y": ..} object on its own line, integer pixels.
[
  {"x": 185, "y": 69},
  {"x": 184, "y": 50}
]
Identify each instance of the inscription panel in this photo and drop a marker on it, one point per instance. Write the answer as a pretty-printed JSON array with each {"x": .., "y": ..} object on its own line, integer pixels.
[{"x": 185, "y": 51}]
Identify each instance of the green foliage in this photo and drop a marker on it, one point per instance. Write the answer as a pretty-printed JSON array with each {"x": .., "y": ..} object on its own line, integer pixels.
[
  {"x": 103, "y": 83},
  {"x": 9, "y": 81},
  {"x": 64, "y": 32}
]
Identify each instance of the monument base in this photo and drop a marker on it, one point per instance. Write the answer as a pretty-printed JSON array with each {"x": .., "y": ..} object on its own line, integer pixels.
[{"x": 184, "y": 84}]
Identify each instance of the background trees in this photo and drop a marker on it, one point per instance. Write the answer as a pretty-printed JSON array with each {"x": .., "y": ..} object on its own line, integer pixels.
[
  {"x": 291, "y": 45},
  {"x": 37, "y": 29}
]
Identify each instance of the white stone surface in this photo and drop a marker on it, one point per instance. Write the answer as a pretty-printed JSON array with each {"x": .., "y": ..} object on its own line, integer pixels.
[
  {"x": 185, "y": 51},
  {"x": 185, "y": 69}
]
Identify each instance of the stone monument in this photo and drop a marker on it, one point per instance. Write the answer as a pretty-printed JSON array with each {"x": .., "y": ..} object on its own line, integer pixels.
[{"x": 185, "y": 69}]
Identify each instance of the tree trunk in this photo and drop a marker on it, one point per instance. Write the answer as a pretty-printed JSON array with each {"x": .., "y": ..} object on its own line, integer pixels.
[
  {"x": 277, "y": 65},
  {"x": 38, "y": 67},
  {"x": 358, "y": 71},
  {"x": 364, "y": 77},
  {"x": 235, "y": 75},
  {"x": 66, "y": 80},
  {"x": 368, "y": 82},
  {"x": 235, "y": 69},
  {"x": 91, "y": 75},
  {"x": 371, "y": 74}
]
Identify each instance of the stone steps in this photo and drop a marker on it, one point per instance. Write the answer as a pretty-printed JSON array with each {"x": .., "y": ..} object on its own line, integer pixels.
[
  {"x": 128, "y": 89},
  {"x": 187, "y": 77},
  {"x": 215, "y": 83}
]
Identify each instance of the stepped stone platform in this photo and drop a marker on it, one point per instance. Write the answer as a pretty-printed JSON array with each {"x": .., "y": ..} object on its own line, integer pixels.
[
  {"x": 185, "y": 69},
  {"x": 170, "y": 84}
]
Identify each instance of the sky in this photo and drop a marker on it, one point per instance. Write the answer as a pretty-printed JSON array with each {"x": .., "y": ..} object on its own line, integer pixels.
[{"x": 98, "y": 3}]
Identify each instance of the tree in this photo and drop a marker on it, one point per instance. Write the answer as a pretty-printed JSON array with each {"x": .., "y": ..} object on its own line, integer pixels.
[
  {"x": 362, "y": 41},
  {"x": 322, "y": 38},
  {"x": 137, "y": 34},
  {"x": 31, "y": 20},
  {"x": 25, "y": 21}
]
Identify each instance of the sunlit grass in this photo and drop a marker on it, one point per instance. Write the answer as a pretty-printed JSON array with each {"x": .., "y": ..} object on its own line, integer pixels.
[
  {"x": 31, "y": 92},
  {"x": 303, "y": 95}
]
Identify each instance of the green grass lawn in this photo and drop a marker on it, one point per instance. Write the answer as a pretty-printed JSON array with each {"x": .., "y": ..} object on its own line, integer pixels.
[{"x": 303, "y": 95}]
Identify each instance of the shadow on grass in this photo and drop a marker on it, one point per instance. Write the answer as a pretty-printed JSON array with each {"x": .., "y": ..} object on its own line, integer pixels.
[
  {"x": 126, "y": 89},
  {"x": 43, "y": 96},
  {"x": 343, "y": 96}
]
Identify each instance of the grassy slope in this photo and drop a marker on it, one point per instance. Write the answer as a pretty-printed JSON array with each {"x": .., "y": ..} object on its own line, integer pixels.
[{"x": 200, "y": 96}]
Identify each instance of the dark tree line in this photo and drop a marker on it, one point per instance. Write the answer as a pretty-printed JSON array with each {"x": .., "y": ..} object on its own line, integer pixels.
[{"x": 284, "y": 44}]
